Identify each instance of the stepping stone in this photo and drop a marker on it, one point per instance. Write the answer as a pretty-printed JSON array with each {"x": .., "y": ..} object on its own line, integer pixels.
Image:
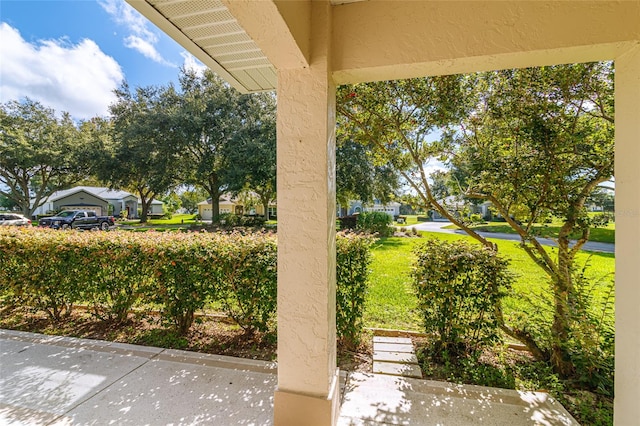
[
  {"x": 392, "y": 347},
  {"x": 384, "y": 339},
  {"x": 395, "y": 369},
  {"x": 398, "y": 357}
]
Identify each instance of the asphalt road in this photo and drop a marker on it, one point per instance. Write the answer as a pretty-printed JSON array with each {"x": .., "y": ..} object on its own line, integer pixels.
[{"x": 438, "y": 226}]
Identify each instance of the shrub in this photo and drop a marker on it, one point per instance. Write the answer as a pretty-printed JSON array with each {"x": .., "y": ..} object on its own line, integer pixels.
[
  {"x": 183, "y": 278},
  {"x": 458, "y": 287},
  {"x": 229, "y": 220},
  {"x": 375, "y": 222},
  {"x": 475, "y": 218},
  {"x": 348, "y": 222},
  {"x": 602, "y": 219},
  {"x": 591, "y": 336},
  {"x": 43, "y": 272},
  {"x": 118, "y": 274},
  {"x": 253, "y": 221},
  {"x": 181, "y": 272},
  {"x": 353, "y": 257},
  {"x": 590, "y": 345},
  {"x": 248, "y": 279}
]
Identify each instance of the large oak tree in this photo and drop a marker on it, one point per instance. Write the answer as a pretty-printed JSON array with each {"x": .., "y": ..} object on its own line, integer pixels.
[
  {"x": 143, "y": 157},
  {"x": 39, "y": 153}
]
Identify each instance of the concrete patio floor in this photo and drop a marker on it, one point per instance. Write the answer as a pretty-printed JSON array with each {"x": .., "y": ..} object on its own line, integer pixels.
[{"x": 47, "y": 380}]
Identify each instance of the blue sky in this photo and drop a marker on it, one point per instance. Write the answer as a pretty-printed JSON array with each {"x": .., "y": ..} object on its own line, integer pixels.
[{"x": 71, "y": 54}]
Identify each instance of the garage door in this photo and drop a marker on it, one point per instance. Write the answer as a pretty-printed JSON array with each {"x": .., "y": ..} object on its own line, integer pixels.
[{"x": 207, "y": 213}]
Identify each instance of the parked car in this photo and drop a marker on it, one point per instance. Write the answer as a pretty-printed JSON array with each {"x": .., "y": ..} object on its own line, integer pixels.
[
  {"x": 13, "y": 219},
  {"x": 78, "y": 219}
]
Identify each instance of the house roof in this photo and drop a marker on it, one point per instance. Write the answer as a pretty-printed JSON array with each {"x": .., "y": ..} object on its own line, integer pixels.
[
  {"x": 58, "y": 195},
  {"x": 98, "y": 191},
  {"x": 223, "y": 199}
]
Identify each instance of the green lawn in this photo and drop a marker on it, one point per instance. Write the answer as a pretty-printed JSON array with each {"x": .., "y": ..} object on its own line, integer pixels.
[
  {"x": 391, "y": 303},
  {"x": 603, "y": 234},
  {"x": 411, "y": 219},
  {"x": 176, "y": 221}
]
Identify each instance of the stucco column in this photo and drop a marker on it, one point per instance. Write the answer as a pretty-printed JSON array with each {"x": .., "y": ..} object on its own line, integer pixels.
[
  {"x": 308, "y": 391},
  {"x": 627, "y": 119}
]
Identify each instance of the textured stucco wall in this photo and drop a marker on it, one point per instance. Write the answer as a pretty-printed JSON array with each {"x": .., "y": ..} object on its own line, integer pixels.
[
  {"x": 378, "y": 40},
  {"x": 627, "y": 380},
  {"x": 306, "y": 221}
]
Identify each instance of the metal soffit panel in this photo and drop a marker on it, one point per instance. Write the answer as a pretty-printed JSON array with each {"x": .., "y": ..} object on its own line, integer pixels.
[{"x": 210, "y": 26}]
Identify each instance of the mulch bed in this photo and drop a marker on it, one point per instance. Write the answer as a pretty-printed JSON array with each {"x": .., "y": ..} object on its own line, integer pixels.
[{"x": 210, "y": 334}]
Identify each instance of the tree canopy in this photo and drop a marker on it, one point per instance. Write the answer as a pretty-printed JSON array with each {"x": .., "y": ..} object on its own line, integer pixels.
[
  {"x": 534, "y": 142},
  {"x": 539, "y": 143},
  {"x": 207, "y": 120},
  {"x": 252, "y": 157},
  {"x": 39, "y": 153},
  {"x": 143, "y": 157}
]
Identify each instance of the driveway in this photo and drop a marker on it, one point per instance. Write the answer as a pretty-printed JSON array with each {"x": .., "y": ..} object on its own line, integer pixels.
[{"x": 438, "y": 226}]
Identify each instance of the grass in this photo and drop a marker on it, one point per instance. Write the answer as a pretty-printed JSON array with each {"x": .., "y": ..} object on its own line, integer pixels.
[
  {"x": 602, "y": 234},
  {"x": 391, "y": 303},
  {"x": 176, "y": 221},
  {"x": 410, "y": 219}
]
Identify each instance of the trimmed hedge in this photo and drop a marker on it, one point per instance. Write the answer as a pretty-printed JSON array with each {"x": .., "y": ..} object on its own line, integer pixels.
[
  {"x": 353, "y": 257},
  {"x": 375, "y": 222},
  {"x": 459, "y": 286},
  {"x": 116, "y": 271}
]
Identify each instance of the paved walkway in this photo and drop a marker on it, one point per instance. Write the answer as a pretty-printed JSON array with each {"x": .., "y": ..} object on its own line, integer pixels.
[
  {"x": 48, "y": 380},
  {"x": 395, "y": 356},
  {"x": 438, "y": 226}
]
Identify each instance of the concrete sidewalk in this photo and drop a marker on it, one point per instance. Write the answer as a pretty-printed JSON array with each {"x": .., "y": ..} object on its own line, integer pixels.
[
  {"x": 48, "y": 380},
  {"x": 62, "y": 381}
]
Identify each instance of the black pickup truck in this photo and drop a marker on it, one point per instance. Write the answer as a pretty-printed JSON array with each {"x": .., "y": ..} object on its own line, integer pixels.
[{"x": 78, "y": 219}]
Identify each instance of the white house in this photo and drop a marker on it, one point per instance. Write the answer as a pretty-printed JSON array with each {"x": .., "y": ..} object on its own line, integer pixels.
[
  {"x": 391, "y": 208},
  {"x": 228, "y": 204},
  {"x": 156, "y": 208},
  {"x": 99, "y": 199}
]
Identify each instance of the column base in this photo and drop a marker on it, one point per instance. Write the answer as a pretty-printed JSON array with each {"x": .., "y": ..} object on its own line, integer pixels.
[{"x": 295, "y": 409}]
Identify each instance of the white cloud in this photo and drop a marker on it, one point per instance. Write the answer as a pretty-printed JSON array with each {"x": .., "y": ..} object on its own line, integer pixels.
[
  {"x": 144, "y": 47},
  {"x": 433, "y": 166},
  {"x": 77, "y": 78},
  {"x": 192, "y": 63},
  {"x": 141, "y": 37}
]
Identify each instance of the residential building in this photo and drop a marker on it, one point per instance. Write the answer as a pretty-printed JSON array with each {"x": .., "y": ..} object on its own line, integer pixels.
[
  {"x": 391, "y": 208},
  {"x": 102, "y": 200},
  {"x": 235, "y": 205}
]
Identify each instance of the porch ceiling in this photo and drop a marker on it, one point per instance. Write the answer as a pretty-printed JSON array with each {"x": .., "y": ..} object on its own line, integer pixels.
[
  {"x": 245, "y": 41},
  {"x": 211, "y": 32},
  {"x": 208, "y": 30}
]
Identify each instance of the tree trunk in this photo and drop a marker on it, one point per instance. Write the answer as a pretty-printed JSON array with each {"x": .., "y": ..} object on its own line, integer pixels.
[
  {"x": 146, "y": 196},
  {"x": 145, "y": 210},
  {"x": 562, "y": 289},
  {"x": 265, "y": 197},
  {"x": 213, "y": 188},
  {"x": 215, "y": 204}
]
